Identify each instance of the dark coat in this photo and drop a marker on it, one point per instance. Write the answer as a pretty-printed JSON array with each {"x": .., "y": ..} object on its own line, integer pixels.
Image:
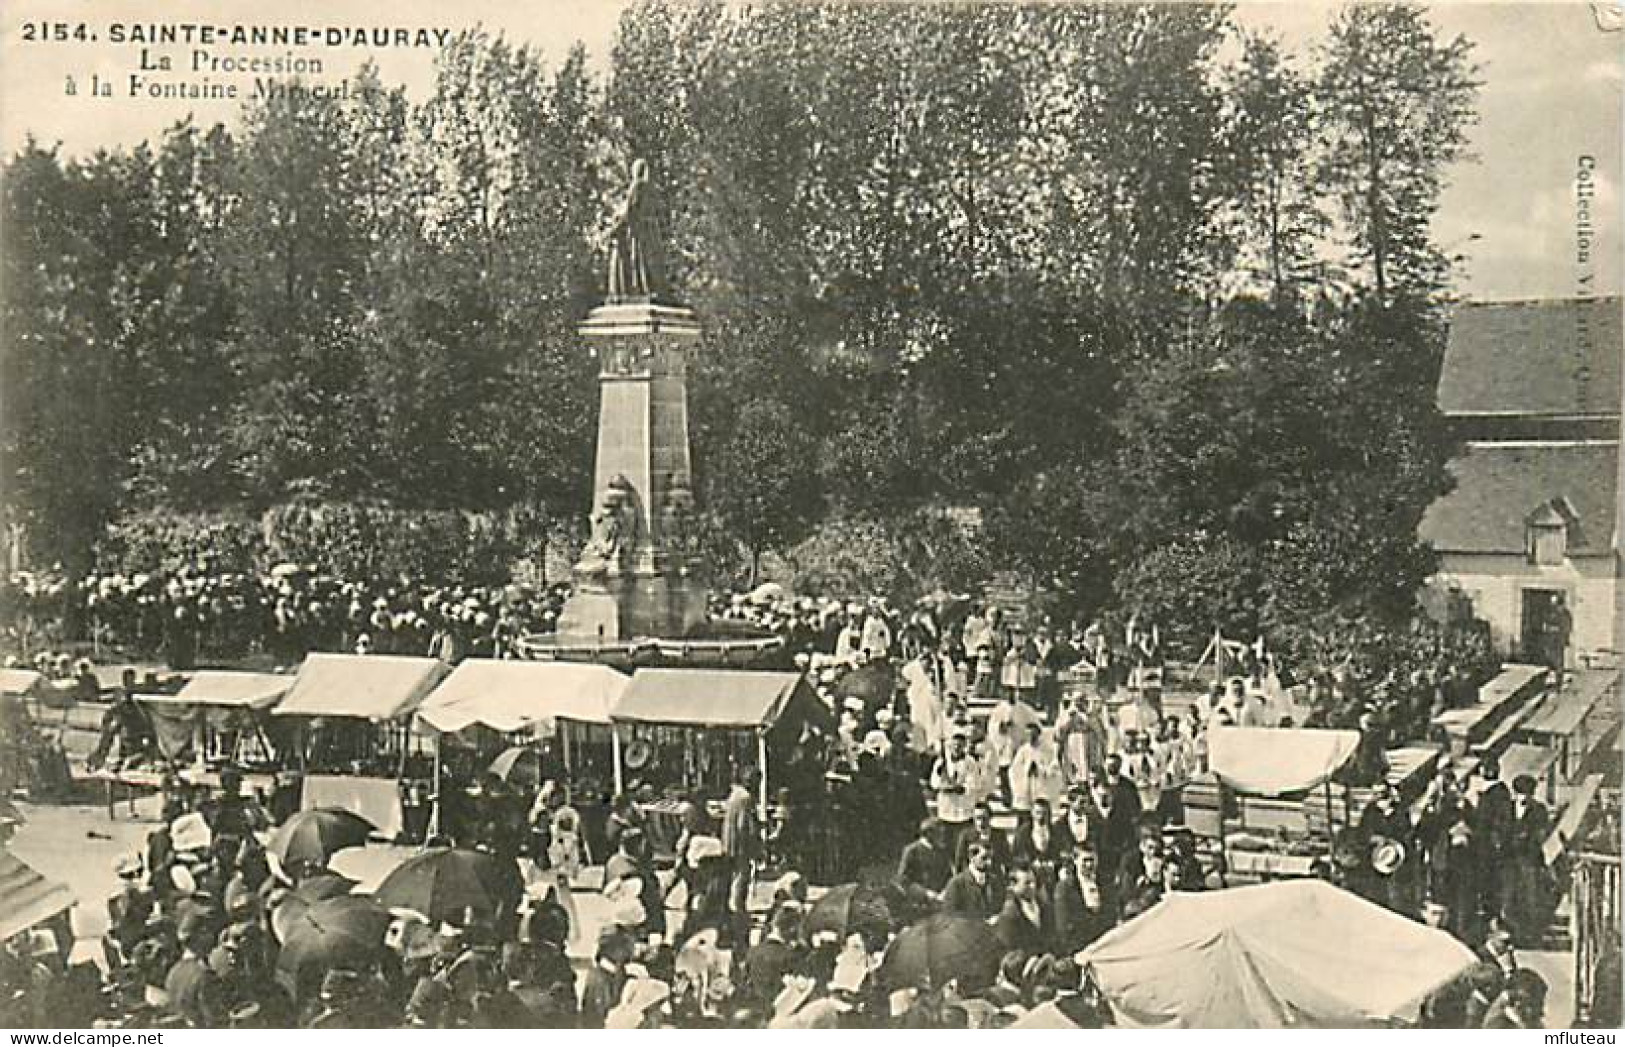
[
  {"x": 997, "y": 846},
  {"x": 196, "y": 993},
  {"x": 1076, "y": 925},
  {"x": 765, "y": 966},
  {"x": 924, "y": 865},
  {"x": 964, "y": 896},
  {"x": 600, "y": 994},
  {"x": 1015, "y": 930},
  {"x": 1024, "y": 850}
]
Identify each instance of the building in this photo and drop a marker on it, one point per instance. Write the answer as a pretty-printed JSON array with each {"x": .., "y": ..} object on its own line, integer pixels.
[{"x": 1531, "y": 533}]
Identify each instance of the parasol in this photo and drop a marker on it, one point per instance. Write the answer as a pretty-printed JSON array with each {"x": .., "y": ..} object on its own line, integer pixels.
[
  {"x": 442, "y": 883},
  {"x": 940, "y": 949},
  {"x": 857, "y": 908},
  {"x": 337, "y": 933},
  {"x": 315, "y": 835},
  {"x": 766, "y": 593},
  {"x": 322, "y": 886},
  {"x": 519, "y": 764},
  {"x": 872, "y": 684}
]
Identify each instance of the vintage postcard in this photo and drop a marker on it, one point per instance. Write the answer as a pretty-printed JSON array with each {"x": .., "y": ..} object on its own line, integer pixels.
[{"x": 696, "y": 514}]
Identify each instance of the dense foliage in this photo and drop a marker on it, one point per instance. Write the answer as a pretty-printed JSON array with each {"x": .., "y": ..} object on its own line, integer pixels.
[{"x": 1157, "y": 298}]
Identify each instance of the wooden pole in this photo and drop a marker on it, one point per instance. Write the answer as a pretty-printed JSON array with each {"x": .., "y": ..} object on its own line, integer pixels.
[
  {"x": 615, "y": 746},
  {"x": 434, "y": 796},
  {"x": 761, "y": 765}
]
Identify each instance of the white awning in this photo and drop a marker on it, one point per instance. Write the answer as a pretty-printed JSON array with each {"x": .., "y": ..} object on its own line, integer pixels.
[
  {"x": 1270, "y": 761},
  {"x": 515, "y": 696},
  {"x": 363, "y": 686}
]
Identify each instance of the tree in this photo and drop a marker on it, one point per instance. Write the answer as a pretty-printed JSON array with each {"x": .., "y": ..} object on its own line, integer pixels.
[
  {"x": 1270, "y": 131},
  {"x": 1396, "y": 103},
  {"x": 294, "y": 247},
  {"x": 69, "y": 398},
  {"x": 763, "y": 485}
]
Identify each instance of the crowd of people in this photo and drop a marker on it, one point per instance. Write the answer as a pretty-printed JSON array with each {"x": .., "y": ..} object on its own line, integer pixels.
[
  {"x": 205, "y": 929},
  {"x": 1022, "y": 778}
]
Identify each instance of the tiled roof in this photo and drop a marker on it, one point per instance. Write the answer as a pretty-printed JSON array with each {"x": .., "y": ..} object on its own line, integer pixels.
[
  {"x": 1498, "y": 487},
  {"x": 1543, "y": 357}
]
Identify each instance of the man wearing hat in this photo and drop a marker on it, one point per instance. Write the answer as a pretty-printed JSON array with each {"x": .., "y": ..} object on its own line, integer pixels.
[
  {"x": 601, "y": 989},
  {"x": 761, "y": 975},
  {"x": 127, "y": 911},
  {"x": 1525, "y": 884},
  {"x": 195, "y": 992},
  {"x": 1386, "y": 828},
  {"x": 346, "y": 1001}
]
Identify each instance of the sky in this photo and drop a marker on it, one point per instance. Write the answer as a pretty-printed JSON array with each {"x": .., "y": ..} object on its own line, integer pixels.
[{"x": 1553, "y": 80}]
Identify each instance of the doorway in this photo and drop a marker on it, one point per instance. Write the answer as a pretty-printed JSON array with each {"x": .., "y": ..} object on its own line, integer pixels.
[{"x": 1546, "y": 625}]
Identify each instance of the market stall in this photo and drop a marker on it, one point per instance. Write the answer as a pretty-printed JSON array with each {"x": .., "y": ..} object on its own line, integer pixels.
[
  {"x": 552, "y": 716},
  {"x": 219, "y": 717},
  {"x": 356, "y": 745},
  {"x": 1297, "y": 954},
  {"x": 690, "y": 728},
  {"x": 28, "y": 900},
  {"x": 1273, "y": 762},
  {"x": 524, "y": 701}
]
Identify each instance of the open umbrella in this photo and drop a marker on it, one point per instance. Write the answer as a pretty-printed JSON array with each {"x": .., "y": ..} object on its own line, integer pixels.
[
  {"x": 322, "y": 886},
  {"x": 316, "y": 835},
  {"x": 519, "y": 764},
  {"x": 443, "y": 882},
  {"x": 317, "y": 889},
  {"x": 857, "y": 908},
  {"x": 872, "y": 684},
  {"x": 336, "y": 933},
  {"x": 940, "y": 949}
]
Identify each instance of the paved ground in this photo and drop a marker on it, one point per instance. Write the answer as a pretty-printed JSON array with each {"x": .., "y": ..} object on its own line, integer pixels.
[{"x": 78, "y": 845}]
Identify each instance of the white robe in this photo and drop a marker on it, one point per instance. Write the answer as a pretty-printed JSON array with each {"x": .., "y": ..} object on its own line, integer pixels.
[{"x": 1035, "y": 773}]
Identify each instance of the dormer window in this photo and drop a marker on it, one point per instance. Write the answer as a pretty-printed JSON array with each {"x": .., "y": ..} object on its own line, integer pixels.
[{"x": 1547, "y": 534}]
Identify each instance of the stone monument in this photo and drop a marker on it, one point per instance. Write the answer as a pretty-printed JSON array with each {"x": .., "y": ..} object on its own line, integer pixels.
[{"x": 640, "y": 574}]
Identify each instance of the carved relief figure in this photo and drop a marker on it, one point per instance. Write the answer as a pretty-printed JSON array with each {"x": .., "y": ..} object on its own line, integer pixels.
[
  {"x": 614, "y": 530},
  {"x": 677, "y": 521}
]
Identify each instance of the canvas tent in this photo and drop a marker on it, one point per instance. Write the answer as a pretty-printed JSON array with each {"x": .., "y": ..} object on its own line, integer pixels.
[
  {"x": 212, "y": 700},
  {"x": 510, "y": 696},
  {"x": 374, "y": 687},
  {"x": 27, "y": 899},
  {"x": 712, "y": 698},
  {"x": 718, "y": 700},
  {"x": 1273, "y": 761},
  {"x": 1293, "y": 954}
]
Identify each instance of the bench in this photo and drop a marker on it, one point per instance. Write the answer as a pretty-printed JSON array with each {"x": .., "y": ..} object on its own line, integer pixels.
[
  {"x": 1571, "y": 822},
  {"x": 1497, "y": 699},
  {"x": 1539, "y": 763}
]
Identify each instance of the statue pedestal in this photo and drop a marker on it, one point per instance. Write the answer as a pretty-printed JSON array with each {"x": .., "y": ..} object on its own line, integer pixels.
[
  {"x": 654, "y": 587},
  {"x": 632, "y": 607}
]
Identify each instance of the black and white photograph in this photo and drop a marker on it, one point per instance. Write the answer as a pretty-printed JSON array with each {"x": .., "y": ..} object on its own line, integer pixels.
[{"x": 810, "y": 514}]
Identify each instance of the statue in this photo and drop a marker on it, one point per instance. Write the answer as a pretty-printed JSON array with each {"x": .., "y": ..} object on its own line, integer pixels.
[
  {"x": 614, "y": 526},
  {"x": 633, "y": 270},
  {"x": 677, "y": 521}
]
